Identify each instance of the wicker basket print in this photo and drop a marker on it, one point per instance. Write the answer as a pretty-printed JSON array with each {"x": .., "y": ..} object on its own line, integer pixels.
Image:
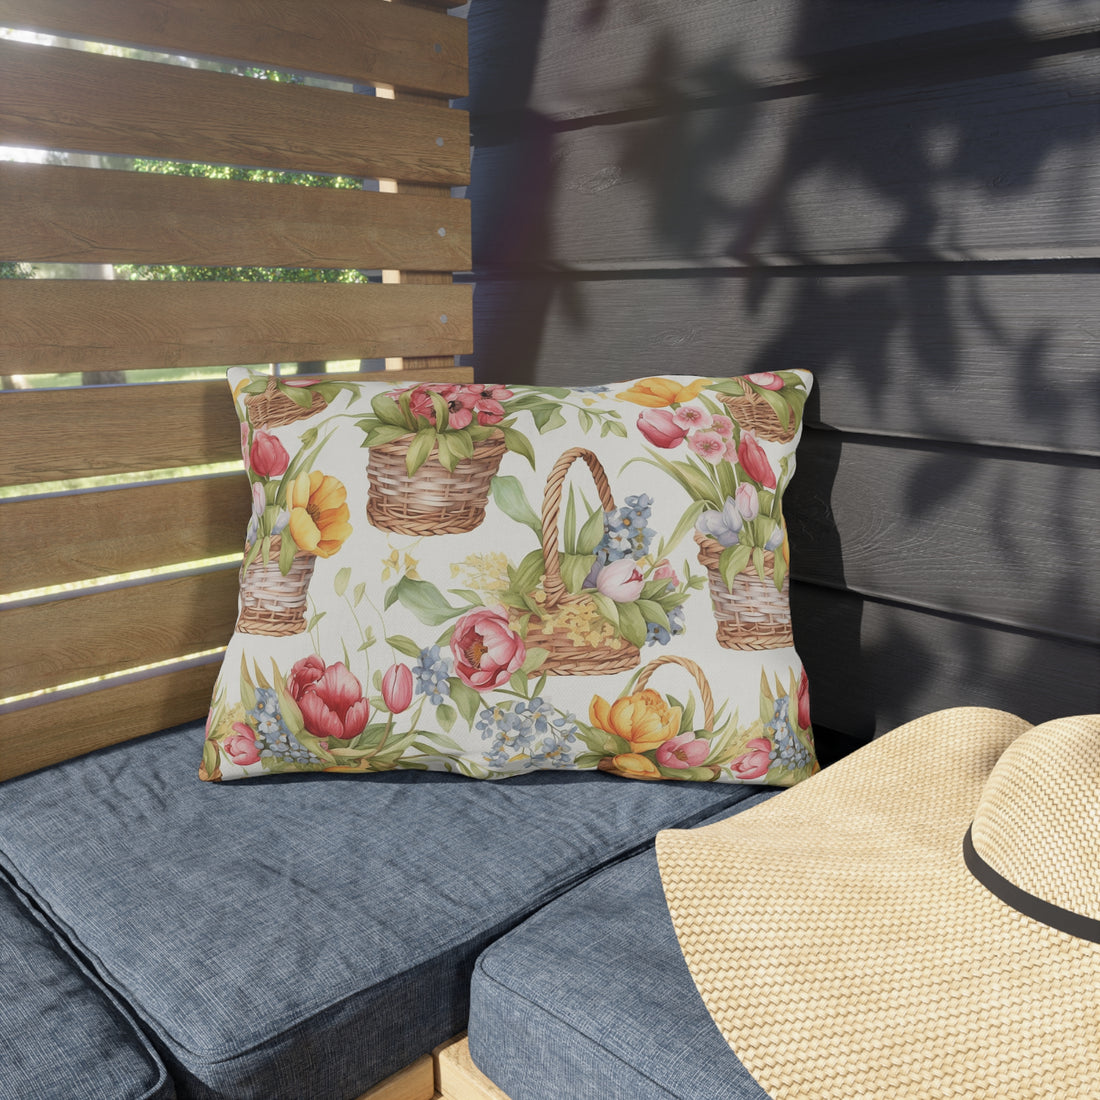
[
  {"x": 565, "y": 656},
  {"x": 754, "y": 614},
  {"x": 273, "y": 409},
  {"x": 706, "y": 696},
  {"x": 271, "y": 603},
  {"x": 434, "y": 500},
  {"x": 754, "y": 413}
]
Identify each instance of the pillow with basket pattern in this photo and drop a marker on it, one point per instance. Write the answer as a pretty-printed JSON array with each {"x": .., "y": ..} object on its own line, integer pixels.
[{"x": 487, "y": 580}]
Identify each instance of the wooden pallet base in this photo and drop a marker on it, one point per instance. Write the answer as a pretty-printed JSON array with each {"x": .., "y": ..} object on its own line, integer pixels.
[
  {"x": 456, "y": 1076},
  {"x": 448, "y": 1073}
]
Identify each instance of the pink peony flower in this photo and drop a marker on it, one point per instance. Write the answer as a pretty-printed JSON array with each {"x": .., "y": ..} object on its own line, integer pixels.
[
  {"x": 240, "y": 746},
  {"x": 486, "y": 649},
  {"x": 268, "y": 456},
  {"x": 684, "y": 751},
  {"x": 244, "y": 446},
  {"x": 660, "y": 428},
  {"x": 722, "y": 425},
  {"x": 691, "y": 417},
  {"x": 748, "y": 500},
  {"x": 804, "y": 702},
  {"x": 621, "y": 581},
  {"x": 665, "y": 572},
  {"x": 766, "y": 380},
  {"x": 754, "y": 461},
  {"x": 754, "y": 763},
  {"x": 330, "y": 699},
  {"x": 397, "y": 688},
  {"x": 708, "y": 445}
]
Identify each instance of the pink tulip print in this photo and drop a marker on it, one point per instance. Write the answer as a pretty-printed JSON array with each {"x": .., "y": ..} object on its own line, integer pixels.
[
  {"x": 240, "y": 745},
  {"x": 660, "y": 428},
  {"x": 755, "y": 762},
  {"x": 397, "y": 688},
  {"x": 268, "y": 457},
  {"x": 621, "y": 581},
  {"x": 754, "y": 461},
  {"x": 683, "y": 751},
  {"x": 330, "y": 698}
]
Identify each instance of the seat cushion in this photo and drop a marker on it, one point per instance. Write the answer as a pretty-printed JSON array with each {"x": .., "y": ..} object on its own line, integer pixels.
[
  {"x": 590, "y": 998},
  {"x": 307, "y": 935},
  {"x": 61, "y": 1035}
]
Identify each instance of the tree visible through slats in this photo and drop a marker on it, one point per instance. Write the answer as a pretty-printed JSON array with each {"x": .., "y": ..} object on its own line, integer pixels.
[{"x": 138, "y": 548}]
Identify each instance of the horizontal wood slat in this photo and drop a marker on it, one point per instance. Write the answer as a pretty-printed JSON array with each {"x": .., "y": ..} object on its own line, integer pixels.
[
  {"x": 56, "y": 325},
  {"x": 105, "y": 532},
  {"x": 83, "y": 215},
  {"x": 874, "y": 665},
  {"x": 972, "y": 354},
  {"x": 364, "y": 41},
  {"x": 54, "y": 435},
  {"x": 58, "y": 730},
  {"x": 994, "y": 535},
  {"x": 67, "y": 99},
  {"x": 993, "y": 167},
  {"x": 571, "y": 58},
  {"x": 63, "y": 641}
]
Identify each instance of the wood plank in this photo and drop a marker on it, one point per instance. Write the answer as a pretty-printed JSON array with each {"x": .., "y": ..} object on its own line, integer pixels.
[
  {"x": 873, "y": 665},
  {"x": 1003, "y": 166},
  {"x": 401, "y": 273},
  {"x": 46, "y": 433},
  {"x": 57, "y": 214},
  {"x": 459, "y": 1078},
  {"x": 415, "y": 1082},
  {"x": 362, "y": 41},
  {"x": 62, "y": 641},
  {"x": 105, "y": 532},
  {"x": 37, "y": 736},
  {"x": 59, "y": 325},
  {"x": 67, "y": 99},
  {"x": 572, "y": 58},
  {"x": 1005, "y": 536},
  {"x": 997, "y": 355}
]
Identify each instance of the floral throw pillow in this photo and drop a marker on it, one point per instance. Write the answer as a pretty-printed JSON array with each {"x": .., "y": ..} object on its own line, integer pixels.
[{"x": 486, "y": 580}]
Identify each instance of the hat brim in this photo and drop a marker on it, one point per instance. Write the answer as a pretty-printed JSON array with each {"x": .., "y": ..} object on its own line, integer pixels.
[{"x": 844, "y": 950}]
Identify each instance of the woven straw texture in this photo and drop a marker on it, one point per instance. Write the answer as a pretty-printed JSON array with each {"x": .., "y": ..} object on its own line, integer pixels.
[
  {"x": 271, "y": 603},
  {"x": 272, "y": 409},
  {"x": 843, "y": 948},
  {"x": 754, "y": 614},
  {"x": 564, "y": 656},
  {"x": 753, "y": 412},
  {"x": 434, "y": 500}
]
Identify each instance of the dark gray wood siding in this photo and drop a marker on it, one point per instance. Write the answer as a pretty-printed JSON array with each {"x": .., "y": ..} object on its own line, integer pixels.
[{"x": 903, "y": 198}]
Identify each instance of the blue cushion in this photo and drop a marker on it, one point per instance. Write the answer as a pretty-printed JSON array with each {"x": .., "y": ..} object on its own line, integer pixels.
[
  {"x": 591, "y": 998},
  {"x": 307, "y": 935},
  {"x": 60, "y": 1035}
]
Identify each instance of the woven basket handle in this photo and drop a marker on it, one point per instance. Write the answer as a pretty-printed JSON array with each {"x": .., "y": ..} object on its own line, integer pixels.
[
  {"x": 696, "y": 672},
  {"x": 551, "y": 506}
]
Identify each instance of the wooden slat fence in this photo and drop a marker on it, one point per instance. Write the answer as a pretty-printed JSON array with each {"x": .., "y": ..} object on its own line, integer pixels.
[{"x": 109, "y": 579}]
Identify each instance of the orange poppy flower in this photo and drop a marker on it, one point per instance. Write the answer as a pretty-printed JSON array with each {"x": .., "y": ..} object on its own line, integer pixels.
[
  {"x": 632, "y": 765},
  {"x": 643, "y": 719},
  {"x": 657, "y": 393},
  {"x": 318, "y": 513}
]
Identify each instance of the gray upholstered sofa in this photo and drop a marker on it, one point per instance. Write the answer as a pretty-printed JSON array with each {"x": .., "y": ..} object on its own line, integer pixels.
[{"x": 309, "y": 937}]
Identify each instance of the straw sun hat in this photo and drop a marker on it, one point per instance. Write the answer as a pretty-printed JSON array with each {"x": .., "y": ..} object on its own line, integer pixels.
[{"x": 920, "y": 920}]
